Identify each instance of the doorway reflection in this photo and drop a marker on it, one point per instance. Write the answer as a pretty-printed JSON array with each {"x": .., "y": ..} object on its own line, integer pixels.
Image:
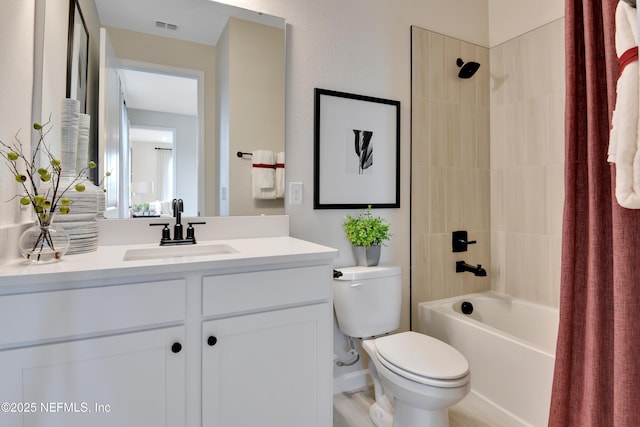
[{"x": 153, "y": 174}]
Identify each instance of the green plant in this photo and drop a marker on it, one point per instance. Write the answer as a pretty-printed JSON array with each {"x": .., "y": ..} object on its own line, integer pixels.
[
  {"x": 49, "y": 198},
  {"x": 365, "y": 229}
]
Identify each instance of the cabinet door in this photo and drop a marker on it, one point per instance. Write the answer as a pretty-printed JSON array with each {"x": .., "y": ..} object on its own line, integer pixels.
[
  {"x": 135, "y": 379},
  {"x": 270, "y": 369}
]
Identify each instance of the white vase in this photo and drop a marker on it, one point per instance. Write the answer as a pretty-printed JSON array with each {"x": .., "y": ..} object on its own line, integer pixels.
[{"x": 80, "y": 223}]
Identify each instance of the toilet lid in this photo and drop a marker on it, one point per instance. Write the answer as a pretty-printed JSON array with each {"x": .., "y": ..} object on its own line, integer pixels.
[{"x": 423, "y": 359}]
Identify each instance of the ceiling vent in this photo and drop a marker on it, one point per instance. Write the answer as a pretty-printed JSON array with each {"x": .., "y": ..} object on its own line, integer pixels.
[{"x": 165, "y": 25}]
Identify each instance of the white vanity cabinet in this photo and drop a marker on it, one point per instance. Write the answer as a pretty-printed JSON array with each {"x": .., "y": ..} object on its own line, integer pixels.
[
  {"x": 132, "y": 380},
  {"x": 266, "y": 357},
  {"x": 238, "y": 339},
  {"x": 99, "y": 356}
]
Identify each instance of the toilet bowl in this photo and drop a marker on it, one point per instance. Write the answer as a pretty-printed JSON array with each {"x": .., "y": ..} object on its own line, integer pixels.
[
  {"x": 416, "y": 377},
  {"x": 420, "y": 375}
]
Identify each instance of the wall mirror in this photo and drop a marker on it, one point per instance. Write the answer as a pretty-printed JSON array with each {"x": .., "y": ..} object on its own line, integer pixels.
[
  {"x": 77, "y": 56},
  {"x": 183, "y": 86}
]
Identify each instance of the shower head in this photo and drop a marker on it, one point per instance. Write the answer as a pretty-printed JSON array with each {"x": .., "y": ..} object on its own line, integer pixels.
[{"x": 467, "y": 69}]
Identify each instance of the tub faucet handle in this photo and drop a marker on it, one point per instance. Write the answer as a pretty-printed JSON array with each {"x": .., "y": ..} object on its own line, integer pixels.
[{"x": 460, "y": 240}]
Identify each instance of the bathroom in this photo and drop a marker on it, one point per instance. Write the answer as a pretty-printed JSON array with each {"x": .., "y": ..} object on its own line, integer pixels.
[{"x": 514, "y": 208}]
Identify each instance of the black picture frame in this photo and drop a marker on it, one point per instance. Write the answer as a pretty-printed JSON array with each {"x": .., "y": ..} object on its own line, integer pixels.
[
  {"x": 77, "y": 56},
  {"x": 356, "y": 151}
]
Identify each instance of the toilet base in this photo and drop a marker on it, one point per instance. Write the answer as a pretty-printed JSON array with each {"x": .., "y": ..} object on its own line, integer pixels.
[
  {"x": 379, "y": 416},
  {"x": 410, "y": 416}
]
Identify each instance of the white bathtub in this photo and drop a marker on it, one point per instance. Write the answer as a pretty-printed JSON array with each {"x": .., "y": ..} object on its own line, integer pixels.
[{"x": 510, "y": 345}]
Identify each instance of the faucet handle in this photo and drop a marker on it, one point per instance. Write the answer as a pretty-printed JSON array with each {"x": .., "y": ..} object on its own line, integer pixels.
[
  {"x": 166, "y": 233},
  {"x": 459, "y": 241},
  {"x": 191, "y": 234}
]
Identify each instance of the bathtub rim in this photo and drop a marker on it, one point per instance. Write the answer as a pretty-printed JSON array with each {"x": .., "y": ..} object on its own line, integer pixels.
[{"x": 450, "y": 312}]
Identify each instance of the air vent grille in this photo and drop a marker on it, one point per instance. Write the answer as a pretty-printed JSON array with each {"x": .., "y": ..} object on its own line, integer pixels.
[{"x": 166, "y": 25}]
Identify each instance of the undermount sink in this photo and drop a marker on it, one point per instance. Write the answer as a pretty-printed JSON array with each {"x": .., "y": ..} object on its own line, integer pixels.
[{"x": 180, "y": 251}]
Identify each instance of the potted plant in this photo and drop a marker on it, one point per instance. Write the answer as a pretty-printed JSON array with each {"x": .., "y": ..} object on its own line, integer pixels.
[
  {"x": 43, "y": 188},
  {"x": 366, "y": 234}
]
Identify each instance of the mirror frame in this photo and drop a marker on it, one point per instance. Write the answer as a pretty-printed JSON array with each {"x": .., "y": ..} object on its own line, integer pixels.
[{"x": 75, "y": 55}]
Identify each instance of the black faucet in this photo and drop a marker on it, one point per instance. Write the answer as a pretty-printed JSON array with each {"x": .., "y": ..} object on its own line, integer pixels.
[
  {"x": 178, "y": 235},
  {"x": 178, "y": 208},
  {"x": 462, "y": 266}
]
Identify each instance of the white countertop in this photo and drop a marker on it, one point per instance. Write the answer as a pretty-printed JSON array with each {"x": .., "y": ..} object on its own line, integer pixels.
[{"x": 107, "y": 261}]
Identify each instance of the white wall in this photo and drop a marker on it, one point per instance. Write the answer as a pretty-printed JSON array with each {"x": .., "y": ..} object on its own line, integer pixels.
[
  {"x": 144, "y": 168},
  {"x": 512, "y": 18},
  {"x": 16, "y": 80}
]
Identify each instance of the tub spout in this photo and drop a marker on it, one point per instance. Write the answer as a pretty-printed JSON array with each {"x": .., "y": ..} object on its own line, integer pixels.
[{"x": 462, "y": 266}]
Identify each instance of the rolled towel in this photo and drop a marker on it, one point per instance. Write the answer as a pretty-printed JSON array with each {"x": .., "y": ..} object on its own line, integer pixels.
[
  {"x": 280, "y": 175},
  {"x": 263, "y": 174}
]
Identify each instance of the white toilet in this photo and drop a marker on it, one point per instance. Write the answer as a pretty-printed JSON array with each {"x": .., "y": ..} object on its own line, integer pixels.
[{"x": 416, "y": 377}]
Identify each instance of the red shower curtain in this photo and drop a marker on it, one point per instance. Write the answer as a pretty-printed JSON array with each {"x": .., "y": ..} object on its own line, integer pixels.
[{"x": 597, "y": 372}]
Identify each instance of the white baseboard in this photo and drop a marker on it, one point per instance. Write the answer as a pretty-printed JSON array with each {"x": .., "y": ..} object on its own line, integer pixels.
[
  {"x": 492, "y": 410},
  {"x": 351, "y": 381}
]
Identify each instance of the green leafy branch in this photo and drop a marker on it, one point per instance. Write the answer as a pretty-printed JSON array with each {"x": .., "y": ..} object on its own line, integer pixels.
[{"x": 46, "y": 199}]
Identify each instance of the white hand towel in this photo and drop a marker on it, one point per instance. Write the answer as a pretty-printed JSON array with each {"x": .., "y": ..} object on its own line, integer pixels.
[
  {"x": 624, "y": 141},
  {"x": 263, "y": 174},
  {"x": 280, "y": 175}
]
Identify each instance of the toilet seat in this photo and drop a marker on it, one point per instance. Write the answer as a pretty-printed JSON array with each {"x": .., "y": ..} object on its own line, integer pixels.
[{"x": 423, "y": 359}]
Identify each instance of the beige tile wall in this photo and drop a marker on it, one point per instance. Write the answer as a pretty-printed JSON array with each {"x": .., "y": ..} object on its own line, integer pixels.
[
  {"x": 488, "y": 157},
  {"x": 450, "y": 166},
  {"x": 527, "y": 163}
]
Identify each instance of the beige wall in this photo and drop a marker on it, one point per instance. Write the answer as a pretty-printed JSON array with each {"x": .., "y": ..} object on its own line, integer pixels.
[
  {"x": 527, "y": 161},
  {"x": 522, "y": 241},
  {"x": 450, "y": 166},
  {"x": 256, "y": 80}
]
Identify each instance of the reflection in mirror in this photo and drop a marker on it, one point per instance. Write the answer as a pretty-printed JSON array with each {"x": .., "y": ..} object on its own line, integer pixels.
[
  {"x": 77, "y": 56},
  {"x": 152, "y": 171},
  {"x": 216, "y": 84}
]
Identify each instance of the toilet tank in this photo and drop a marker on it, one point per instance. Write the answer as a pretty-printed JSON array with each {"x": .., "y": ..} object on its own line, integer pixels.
[{"x": 367, "y": 300}]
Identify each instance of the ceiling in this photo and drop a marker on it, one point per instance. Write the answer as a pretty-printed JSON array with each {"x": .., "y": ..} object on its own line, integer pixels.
[
  {"x": 199, "y": 21},
  {"x": 160, "y": 92}
]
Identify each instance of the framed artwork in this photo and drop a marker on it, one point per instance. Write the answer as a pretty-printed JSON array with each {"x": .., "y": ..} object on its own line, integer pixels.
[
  {"x": 77, "y": 56},
  {"x": 356, "y": 151}
]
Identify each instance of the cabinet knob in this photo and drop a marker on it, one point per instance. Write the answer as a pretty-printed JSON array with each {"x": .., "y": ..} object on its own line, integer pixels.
[
  {"x": 176, "y": 347},
  {"x": 212, "y": 340}
]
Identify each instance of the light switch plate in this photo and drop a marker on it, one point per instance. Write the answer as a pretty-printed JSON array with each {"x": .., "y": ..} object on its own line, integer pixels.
[{"x": 295, "y": 193}]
